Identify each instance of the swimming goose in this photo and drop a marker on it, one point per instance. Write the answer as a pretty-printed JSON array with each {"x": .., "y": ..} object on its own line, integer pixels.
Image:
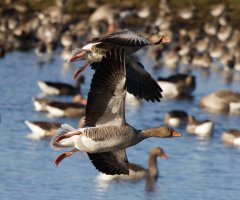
[
  {"x": 40, "y": 104},
  {"x": 224, "y": 33},
  {"x": 223, "y": 101},
  {"x": 203, "y": 128},
  {"x": 97, "y": 47},
  {"x": 231, "y": 137},
  {"x": 41, "y": 129},
  {"x": 202, "y": 44},
  {"x": 137, "y": 171},
  {"x": 106, "y": 134},
  {"x": 59, "y": 88},
  {"x": 175, "y": 117},
  {"x": 106, "y": 13},
  {"x": 210, "y": 28},
  {"x": 187, "y": 12},
  {"x": 217, "y": 9},
  {"x": 65, "y": 109},
  {"x": 177, "y": 85}
]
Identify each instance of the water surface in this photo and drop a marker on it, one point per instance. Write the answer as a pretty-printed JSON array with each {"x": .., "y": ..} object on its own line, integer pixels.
[{"x": 195, "y": 169}]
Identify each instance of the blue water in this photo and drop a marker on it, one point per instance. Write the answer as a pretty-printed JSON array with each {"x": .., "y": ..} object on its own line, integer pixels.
[{"x": 195, "y": 169}]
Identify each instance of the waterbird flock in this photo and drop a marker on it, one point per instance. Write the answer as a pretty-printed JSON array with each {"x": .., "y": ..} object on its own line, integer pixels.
[{"x": 212, "y": 47}]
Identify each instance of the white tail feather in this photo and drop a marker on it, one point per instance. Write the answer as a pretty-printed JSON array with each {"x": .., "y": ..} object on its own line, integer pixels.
[{"x": 64, "y": 129}]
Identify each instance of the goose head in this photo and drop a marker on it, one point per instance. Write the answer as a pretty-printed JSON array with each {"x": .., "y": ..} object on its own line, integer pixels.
[
  {"x": 159, "y": 132},
  {"x": 158, "y": 151}
]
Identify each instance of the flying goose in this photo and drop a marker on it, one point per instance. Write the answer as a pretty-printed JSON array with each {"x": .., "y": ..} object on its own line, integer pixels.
[
  {"x": 137, "y": 171},
  {"x": 97, "y": 47},
  {"x": 106, "y": 134},
  {"x": 137, "y": 76},
  {"x": 131, "y": 42}
]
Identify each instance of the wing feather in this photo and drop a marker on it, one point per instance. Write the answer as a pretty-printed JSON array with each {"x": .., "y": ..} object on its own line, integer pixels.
[
  {"x": 106, "y": 97},
  {"x": 110, "y": 162},
  {"x": 140, "y": 83},
  {"x": 123, "y": 38}
]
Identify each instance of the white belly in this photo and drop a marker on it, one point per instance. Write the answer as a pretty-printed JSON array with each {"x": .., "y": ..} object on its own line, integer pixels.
[
  {"x": 236, "y": 142},
  {"x": 87, "y": 144},
  {"x": 204, "y": 130},
  {"x": 47, "y": 89},
  {"x": 169, "y": 89},
  {"x": 174, "y": 122}
]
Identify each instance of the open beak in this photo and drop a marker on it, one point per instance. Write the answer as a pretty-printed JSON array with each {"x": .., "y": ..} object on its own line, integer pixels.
[
  {"x": 77, "y": 55},
  {"x": 176, "y": 134},
  {"x": 165, "y": 40},
  {"x": 163, "y": 155}
]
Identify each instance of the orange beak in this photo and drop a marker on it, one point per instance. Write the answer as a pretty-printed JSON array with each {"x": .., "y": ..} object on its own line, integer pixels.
[
  {"x": 165, "y": 40},
  {"x": 176, "y": 134},
  {"x": 164, "y": 155}
]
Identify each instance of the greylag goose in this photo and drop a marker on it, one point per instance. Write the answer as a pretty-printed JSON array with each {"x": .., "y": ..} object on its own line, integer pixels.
[
  {"x": 59, "y": 88},
  {"x": 177, "y": 85},
  {"x": 106, "y": 134},
  {"x": 97, "y": 47},
  {"x": 175, "y": 117},
  {"x": 137, "y": 171},
  {"x": 217, "y": 9},
  {"x": 106, "y": 13},
  {"x": 224, "y": 33},
  {"x": 41, "y": 129},
  {"x": 202, "y": 60},
  {"x": 144, "y": 86},
  {"x": 203, "y": 129},
  {"x": 223, "y": 101},
  {"x": 231, "y": 137},
  {"x": 65, "y": 109},
  {"x": 41, "y": 104},
  {"x": 187, "y": 13}
]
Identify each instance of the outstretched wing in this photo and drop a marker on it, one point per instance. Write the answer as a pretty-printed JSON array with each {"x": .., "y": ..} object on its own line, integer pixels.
[
  {"x": 106, "y": 98},
  {"x": 140, "y": 83},
  {"x": 110, "y": 162},
  {"x": 123, "y": 38}
]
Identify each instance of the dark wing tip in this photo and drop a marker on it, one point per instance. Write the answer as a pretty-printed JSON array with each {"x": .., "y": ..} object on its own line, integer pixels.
[
  {"x": 141, "y": 84},
  {"x": 107, "y": 163}
]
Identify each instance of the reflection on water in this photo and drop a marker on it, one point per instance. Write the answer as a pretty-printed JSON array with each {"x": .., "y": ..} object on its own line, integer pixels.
[{"x": 196, "y": 169}]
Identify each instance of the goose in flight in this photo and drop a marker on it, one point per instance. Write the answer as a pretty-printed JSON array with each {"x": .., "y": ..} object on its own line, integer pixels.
[
  {"x": 137, "y": 76},
  {"x": 106, "y": 134},
  {"x": 97, "y": 47}
]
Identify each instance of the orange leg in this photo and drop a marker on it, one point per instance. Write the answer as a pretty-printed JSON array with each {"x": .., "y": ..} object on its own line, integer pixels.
[
  {"x": 64, "y": 155},
  {"x": 66, "y": 135},
  {"x": 80, "y": 69}
]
